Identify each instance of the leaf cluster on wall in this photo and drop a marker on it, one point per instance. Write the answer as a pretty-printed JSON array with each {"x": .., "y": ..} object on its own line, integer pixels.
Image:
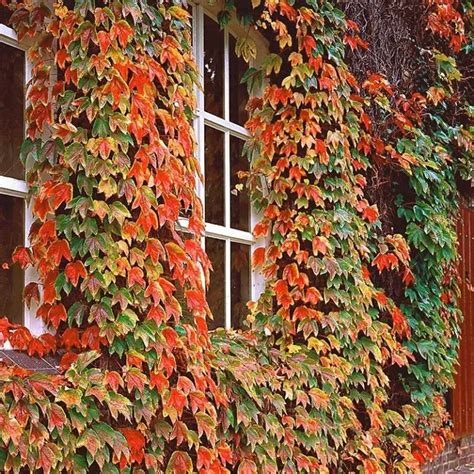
[{"x": 337, "y": 373}]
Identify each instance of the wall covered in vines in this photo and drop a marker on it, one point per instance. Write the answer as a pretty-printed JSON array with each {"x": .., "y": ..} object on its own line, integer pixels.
[{"x": 352, "y": 346}]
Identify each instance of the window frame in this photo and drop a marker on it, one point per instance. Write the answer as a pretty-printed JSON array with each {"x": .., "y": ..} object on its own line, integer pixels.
[
  {"x": 226, "y": 233},
  {"x": 18, "y": 188}
]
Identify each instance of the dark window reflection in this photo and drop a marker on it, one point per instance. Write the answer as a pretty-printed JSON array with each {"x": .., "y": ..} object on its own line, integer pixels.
[
  {"x": 240, "y": 283},
  {"x": 12, "y": 72},
  {"x": 5, "y": 15},
  {"x": 216, "y": 294},
  {"x": 11, "y": 235},
  {"x": 214, "y": 169},
  {"x": 213, "y": 67},
  {"x": 239, "y": 200},
  {"x": 238, "y": 92}
]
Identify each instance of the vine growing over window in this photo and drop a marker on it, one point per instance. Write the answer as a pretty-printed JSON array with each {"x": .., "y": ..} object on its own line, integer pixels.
[{"x": 336, "y": 373}]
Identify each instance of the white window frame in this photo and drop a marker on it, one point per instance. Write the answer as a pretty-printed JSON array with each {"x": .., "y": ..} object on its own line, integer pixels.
[
  {"x": 202, "y": 119},
  {"x": 19, "y": 189}
]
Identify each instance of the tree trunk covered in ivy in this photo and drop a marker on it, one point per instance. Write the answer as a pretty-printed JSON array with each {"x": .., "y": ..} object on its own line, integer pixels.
[{"x": 356, "y": 143}]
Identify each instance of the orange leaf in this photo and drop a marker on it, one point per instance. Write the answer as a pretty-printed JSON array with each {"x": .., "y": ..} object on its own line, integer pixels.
[
  {"x": 56, "y": 315},
  {"x": 123, "y": 31},
  {"x": 370, "y": 214},
  {"x": 136, "y": 444},
  {"x": 21, "y": 255},
  {"x": 258, "y": 257},
  {"x": 196, "y": 300},
  {"x": 70, "y": 339},
  {"x": 59, "y": 250},
  {"x": 104, "y": 41},
  {"x": 75, "y": 270}
]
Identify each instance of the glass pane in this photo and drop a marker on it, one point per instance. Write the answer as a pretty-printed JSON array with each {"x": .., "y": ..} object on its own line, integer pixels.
[
  {"x": 12, "y": 216},
  {"x": 239, "y": 198},
  {"x": 5, "y": 15},
  {"x": 240, "y": 283},
  {"x": 213, "y": 67},
  {"x": 214, "y": 170},
  {"x": 238, "y": 92},
  {"x": 216, "y": 293},
  {"x": 12, "y": 72}
]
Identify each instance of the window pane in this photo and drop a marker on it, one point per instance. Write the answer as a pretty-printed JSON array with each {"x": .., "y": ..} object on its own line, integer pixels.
[
  {"x": 238, "y": 92},
  {"x": 240, "y": 283},
  {"x": 12, "y": 216},
  {"x": 216, "y": 294},
  {"x": 214, "y": 171},
  {"x": 5, "y": 15},
  {"x": 12, "y": 72},
  {"x": 213, "y": 67},
  {"x": 239, "y": 198}
]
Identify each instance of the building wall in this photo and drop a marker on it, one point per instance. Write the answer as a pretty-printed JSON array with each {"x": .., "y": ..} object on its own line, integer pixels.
[{"x": 457, "y": 453}]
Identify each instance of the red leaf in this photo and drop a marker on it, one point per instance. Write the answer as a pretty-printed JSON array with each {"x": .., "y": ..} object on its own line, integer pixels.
[
  {"x": 170, "y": 336},
  {"x": 291, "y": 274},
  {"x": 309, "y": 44},
  {"x": 135, "y": 276},
  {"x": 104, "y": 41},
  {"x": 247, "y": 466},
  {"x": 204, "y": 458},
  {"x": 21, "y": 255},
  {"x": 370, "y": 214},
  {"x": 67, "y": 360},
  {"x": 74, "y": 270},
  {"x": 56, "y": 417},
  {"x": 36, "y": 348},
  {"x": 47, "y": 231},
  {"x": 155, "y": 291},
  {"x": 20, "y": 339},
  {"x": 179, "y": 463},
  {"x": 56, "y": 315},
  {"x": 385, "y": 261},
  {"x": 113, "y": 380},
  {"x": 31, "y": 293},
  {"x": 91, "y": 339},
  {"x": 176, "y": 255},
  {"x": 366, "y": 121},
  {"x": 154, "y": 249},
  {"x": 168, "y": 363},
  {"x": 61, "y": 193},
  {"x": 136, "y": 444},
  {"x": 158, "y": 380},
  {"x": 320, "y": 245},
  {"x": 225, "y": 453},
  {"x": 123, "y": 31},
  {"x": 70, "y": 339},
  {"x": 177, "y": 400},
  {"x": 313, "y": 296},
  {"x": 59, "y": 250},
  {"x": 135, "y": 380},
  {"x": 400, "y": 323},
  {"x": 196, "y": 300},
  {"x": 258, "y": 257},
  {"x": 322, "y": 152}
]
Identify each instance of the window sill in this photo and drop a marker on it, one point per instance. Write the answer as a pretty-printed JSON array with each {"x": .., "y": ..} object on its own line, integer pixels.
[{"x": 46, "y": 365}]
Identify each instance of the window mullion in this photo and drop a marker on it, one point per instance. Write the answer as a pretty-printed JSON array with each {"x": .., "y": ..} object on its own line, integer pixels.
[
  {"x": 227, "y": 179},
  {"x": 199, "y": 119},
  {"x": 226, "y": 76},
  {"x": 228, "y": 288}
]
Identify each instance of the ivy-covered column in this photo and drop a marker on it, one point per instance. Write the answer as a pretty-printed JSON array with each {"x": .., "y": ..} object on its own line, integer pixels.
[
  {"x": 110, "y": 159},
  {"x": 335, "y": 333}
]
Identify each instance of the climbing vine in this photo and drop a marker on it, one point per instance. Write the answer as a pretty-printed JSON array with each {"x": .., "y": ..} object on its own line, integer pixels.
[{"x": 337, "y": 371}]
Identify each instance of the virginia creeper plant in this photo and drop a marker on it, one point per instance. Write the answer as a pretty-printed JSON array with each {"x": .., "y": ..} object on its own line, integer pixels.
[{"x": 336, "y": 373}]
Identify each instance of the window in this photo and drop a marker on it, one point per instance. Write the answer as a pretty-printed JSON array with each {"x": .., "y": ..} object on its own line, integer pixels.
[
  {"x": 14, "y": 214},
  {"x": 220, "y": 132}
]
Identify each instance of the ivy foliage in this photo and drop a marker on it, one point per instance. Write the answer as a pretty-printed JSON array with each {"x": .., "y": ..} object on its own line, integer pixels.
[{"x": 336, "y": 373}]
